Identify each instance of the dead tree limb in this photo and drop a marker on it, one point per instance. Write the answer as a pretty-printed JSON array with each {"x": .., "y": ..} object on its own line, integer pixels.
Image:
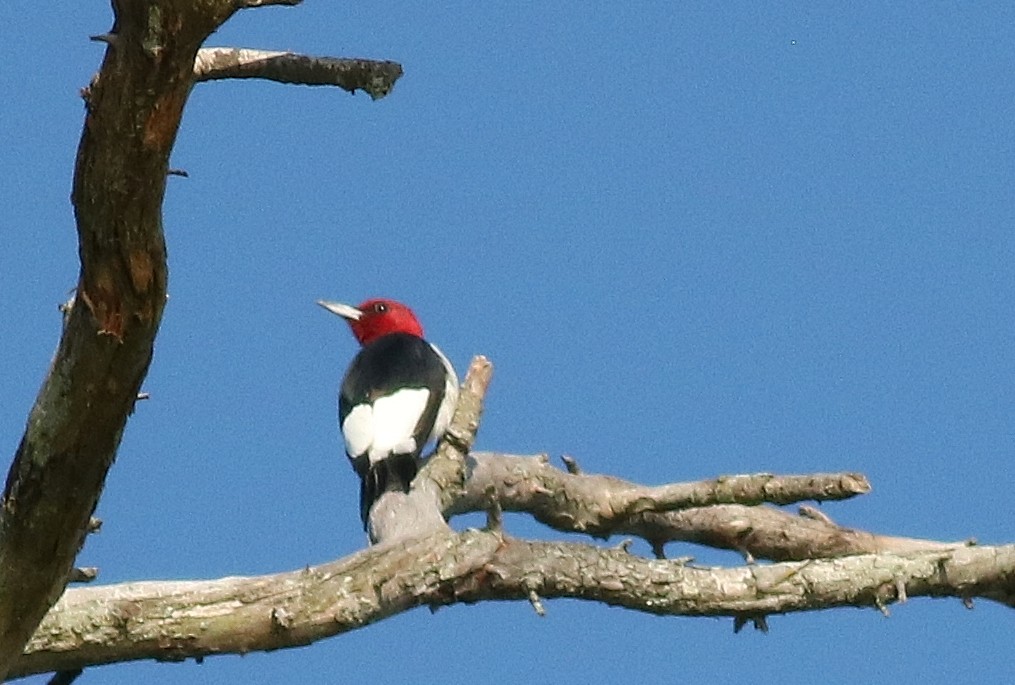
[
  {"x": 698, "y": 512},
  {"x": 375, "y": 78},
  {"x": 172, "y": 621}
]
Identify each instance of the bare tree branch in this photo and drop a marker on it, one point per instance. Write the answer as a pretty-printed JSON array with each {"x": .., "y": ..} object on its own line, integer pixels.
[
  {"x": 602, "y": 506},
  {"x": 178, "y": 620},
  {"x": 596, "y": 502},
  {"x": 446, "y": 472},
  {"x": 83, "y": 574},
  {"x": 376, "y": 78}
]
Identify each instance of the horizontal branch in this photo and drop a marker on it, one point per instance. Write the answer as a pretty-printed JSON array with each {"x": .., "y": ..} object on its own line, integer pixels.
[
  {"x": 698, "y": 512},
  {"x": 595, "y": 502},
  {"x": 178, "y": 620},
  {"x": 671, "y": 588},
  {"x": 376, "y": 78}
]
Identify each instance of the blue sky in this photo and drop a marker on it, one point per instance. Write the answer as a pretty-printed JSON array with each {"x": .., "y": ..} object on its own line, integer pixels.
[{"x": 694, "y": 241}]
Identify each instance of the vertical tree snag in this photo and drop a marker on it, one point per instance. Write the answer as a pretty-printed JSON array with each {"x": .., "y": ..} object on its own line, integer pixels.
[{"x": 133, "y": 110}]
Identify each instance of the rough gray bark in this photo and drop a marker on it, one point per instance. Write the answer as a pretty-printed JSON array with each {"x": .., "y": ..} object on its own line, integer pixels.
[
  {"x": 715, "y": 513},
  {"x": 177, "y": 620},
  {"x": 172, "y": 621}
]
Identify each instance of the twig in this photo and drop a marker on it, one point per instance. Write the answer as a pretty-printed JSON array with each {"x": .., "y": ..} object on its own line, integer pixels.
[
  {"x": 758, "y": 620},
  {"x": 744, "y": 489},
  {"x": 494, "y": 514},
  {"x": 571, "y": 464},
  {"x": 815, "y": 514},
  {"x": 65, "y": 677},
  {"x": 83, "y": 574},
  {"x": 253, "y": 4},
  {"x": 537, "y": 604}
]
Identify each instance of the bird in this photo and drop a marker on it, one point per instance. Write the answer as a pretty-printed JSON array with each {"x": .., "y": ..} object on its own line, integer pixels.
[{"x": 397, "y": 396}]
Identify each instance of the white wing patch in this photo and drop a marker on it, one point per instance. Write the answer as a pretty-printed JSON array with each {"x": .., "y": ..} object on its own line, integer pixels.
[
  {"x": 358, "y": 430},
  {"x": 386, "y": 427}
]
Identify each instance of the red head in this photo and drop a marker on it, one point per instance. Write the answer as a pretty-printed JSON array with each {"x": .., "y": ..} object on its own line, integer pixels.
[{"x": 376, "y": 317}]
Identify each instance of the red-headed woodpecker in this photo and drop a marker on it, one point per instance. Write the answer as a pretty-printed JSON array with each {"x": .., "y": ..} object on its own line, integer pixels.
[{"x": 397, "y": 396}]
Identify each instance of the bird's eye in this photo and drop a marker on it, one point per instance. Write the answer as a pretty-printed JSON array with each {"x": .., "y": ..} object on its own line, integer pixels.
[{"x": 380, "y": 308}]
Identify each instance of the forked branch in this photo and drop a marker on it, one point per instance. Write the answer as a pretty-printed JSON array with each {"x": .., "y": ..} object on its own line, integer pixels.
[{"x": 698, "y": 512}]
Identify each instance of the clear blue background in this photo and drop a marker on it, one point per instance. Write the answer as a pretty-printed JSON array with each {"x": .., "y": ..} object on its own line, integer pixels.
[{"x": 694, "y": 241}]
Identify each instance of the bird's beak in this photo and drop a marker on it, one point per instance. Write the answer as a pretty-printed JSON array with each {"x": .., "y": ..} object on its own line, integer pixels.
[{"x": 343, "y": 310}]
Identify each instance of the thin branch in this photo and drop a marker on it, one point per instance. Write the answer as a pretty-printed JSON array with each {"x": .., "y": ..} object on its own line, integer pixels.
[
  {"x": 175, "y": 620},
  {"x": 810, "y": 512},
  {"x": 253, "y": 4},
  {"x": 65, "y": 677},
  {"x": 376, "y": 78},
  {"x": 83, "y": 574},
  {"x": 571, "y": 464}
]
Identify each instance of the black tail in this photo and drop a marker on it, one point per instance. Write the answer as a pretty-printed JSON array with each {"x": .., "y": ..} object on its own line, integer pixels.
[{"x": 394, "y": 473}]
